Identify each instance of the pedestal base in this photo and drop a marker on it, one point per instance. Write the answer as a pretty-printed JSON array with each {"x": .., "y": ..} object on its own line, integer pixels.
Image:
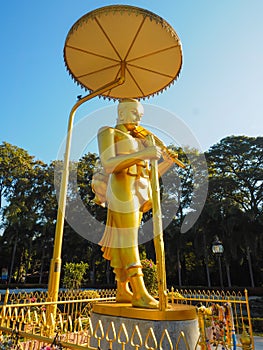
[{"x": 144, "y": 327}]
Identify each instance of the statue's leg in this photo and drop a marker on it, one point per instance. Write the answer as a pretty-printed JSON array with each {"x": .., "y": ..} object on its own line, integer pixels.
[
  {"x": 141, "y": 297},
  {"x": 124, "y": 294}
]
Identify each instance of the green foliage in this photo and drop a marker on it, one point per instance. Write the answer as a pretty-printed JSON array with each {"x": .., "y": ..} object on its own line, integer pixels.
[
  {"x": 74, "y": 274},
  {"x": 89, "y": 294},
  {"x": 237, "y": 173},
  {"x": 149, "y": 270}
]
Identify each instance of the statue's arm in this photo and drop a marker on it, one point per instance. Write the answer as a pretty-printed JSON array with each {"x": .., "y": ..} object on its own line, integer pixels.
[
  {"x": 116, "y": 163},
  {"x": 165, "y": 165}
]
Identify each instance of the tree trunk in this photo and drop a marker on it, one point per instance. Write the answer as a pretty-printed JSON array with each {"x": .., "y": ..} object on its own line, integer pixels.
[
  {"x": 42, "y": 266},
  {"x": 13, "y": 259},
  {"x": 228, "y": 274},
  {"x": 250, "y": 268},
  {"x": 179, "y": 269},
  {"x": 108, "y": 271},
  {"x": 27, "y": 260},
  {"x": 206, "y": 263}
]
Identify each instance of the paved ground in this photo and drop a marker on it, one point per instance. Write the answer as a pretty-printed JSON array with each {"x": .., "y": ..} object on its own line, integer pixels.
[{"x": 258, "y": 343}]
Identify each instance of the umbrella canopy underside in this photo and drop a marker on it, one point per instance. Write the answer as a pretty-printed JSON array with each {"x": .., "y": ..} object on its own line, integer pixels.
[{"x": 100, "y": 41}]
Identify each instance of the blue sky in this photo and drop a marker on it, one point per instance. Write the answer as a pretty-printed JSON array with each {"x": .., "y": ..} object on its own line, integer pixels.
[{"x": 219, "y": 92}]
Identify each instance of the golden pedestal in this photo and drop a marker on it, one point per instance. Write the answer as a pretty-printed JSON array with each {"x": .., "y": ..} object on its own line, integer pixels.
[
  {"x": 177, "y": 312},
  {"x": 128, "y": 323}
]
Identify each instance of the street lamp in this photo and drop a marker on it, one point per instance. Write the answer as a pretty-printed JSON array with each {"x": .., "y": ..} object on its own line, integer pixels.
[{"x": 218, "y": 250}]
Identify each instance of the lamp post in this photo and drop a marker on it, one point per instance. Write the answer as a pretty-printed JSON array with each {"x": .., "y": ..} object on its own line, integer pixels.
[{"x": 218, "y": 250}]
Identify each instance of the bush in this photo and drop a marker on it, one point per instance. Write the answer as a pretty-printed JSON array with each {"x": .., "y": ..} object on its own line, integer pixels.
[
  {"x": 89, "y": 294},
  {"x": 149, "y": 270},
  {"x": 74, "y": 274}
]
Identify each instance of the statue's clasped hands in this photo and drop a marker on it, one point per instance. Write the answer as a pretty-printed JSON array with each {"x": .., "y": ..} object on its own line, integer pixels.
[{"x": 152, "y": 152}]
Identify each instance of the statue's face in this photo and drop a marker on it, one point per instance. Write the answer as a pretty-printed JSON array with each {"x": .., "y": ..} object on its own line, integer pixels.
[{"x": 130, "y": 114}]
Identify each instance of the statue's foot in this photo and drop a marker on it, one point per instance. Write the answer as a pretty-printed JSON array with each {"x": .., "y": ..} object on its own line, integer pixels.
[
  {"x": 124, "y": 296},
  {"x": 145, "y": 301}
]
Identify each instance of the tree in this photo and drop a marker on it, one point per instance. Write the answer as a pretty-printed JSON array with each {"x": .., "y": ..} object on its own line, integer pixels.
[
  {"x": 74, "y": 274},
  {"x": 236, "y": 163},
  {"x": 236, "y": 171},
  {"x": 20, "y": 185},
  {"x": 183, "y": 196},
  {"x": 15, "y": 165},
  {"x": 233, "y": 211},
  {"x": 29, "y": 211}
]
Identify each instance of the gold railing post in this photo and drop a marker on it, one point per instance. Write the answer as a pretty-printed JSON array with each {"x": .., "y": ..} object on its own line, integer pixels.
[
  {"x": 3, "y": 309},
  {"x": 6, "y": 297},
  {"x": 55, "y": 265},
  {"x": 201, "y": 323},
  {"x": 249, "y": 319},
  {"x": 246, "y": 341}
]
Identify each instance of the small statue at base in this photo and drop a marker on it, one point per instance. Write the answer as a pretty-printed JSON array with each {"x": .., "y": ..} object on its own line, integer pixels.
[{"x": 125, "y": 158}]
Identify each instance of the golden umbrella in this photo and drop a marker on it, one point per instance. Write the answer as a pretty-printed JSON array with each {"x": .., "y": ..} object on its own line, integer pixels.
[
  {"x": 116, "y": 51},
  {"x": 103, "y": 40}
]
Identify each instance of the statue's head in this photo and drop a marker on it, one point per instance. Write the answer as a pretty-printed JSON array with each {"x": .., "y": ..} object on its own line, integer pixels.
[{"x": 130, "y": 112}]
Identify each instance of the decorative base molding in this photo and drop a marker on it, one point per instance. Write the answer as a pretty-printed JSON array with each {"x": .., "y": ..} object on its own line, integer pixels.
[{"x": 115, "y": 324}]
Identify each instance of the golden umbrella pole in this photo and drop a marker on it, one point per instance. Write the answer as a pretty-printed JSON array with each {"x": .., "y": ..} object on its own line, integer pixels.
[
  {"x": 158, "y": 233},
  {"x": 55, "y": 265}
]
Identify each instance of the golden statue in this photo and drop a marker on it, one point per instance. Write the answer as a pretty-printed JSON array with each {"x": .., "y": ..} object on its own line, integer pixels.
[{"x": 125, "y": 156}]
